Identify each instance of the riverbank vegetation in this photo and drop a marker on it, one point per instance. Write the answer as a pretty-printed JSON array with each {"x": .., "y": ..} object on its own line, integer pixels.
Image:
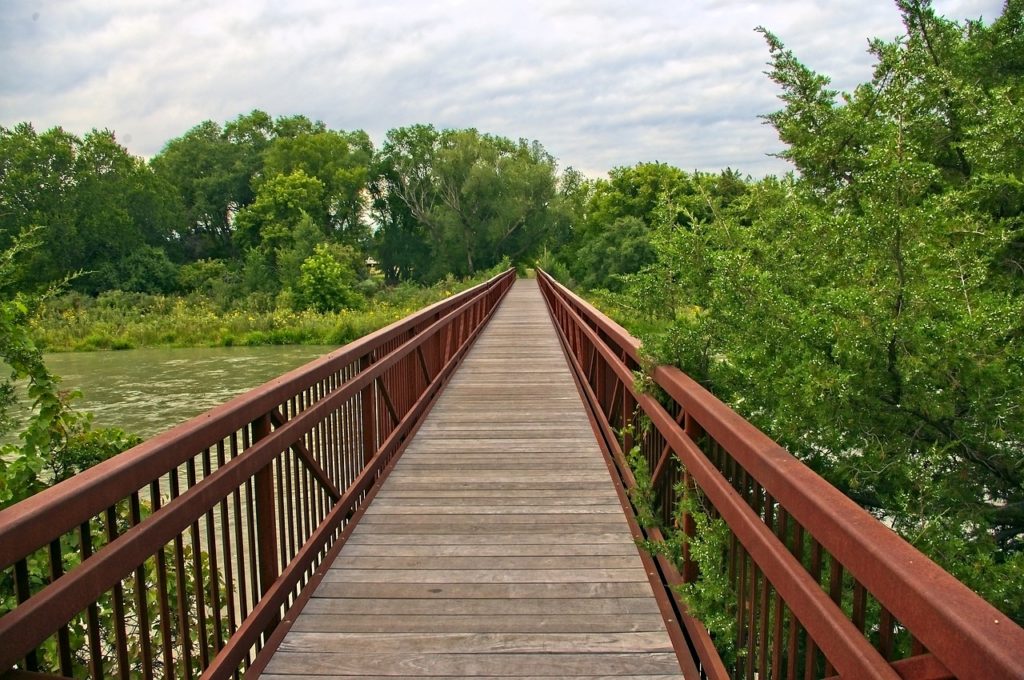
[
  {"x": 866, "y": 311},
  {"x": 119, "y": 320}
]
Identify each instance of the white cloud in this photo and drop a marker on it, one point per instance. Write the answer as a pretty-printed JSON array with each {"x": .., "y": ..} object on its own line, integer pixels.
[{"x": 600, "y": 84}]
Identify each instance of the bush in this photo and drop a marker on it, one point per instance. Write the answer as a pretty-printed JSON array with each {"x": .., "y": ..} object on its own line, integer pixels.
[{"x": 326, "y": 281}]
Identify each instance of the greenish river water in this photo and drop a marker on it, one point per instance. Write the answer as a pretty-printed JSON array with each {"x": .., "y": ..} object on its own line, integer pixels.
[{"x": 147, "y": 391}]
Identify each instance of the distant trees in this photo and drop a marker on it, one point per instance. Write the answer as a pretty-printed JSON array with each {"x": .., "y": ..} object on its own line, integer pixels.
[
  {"x": 618, "y": 217},
  {"x": 459, "y": 201},
  {"x": 103, "y": 212},
  {"x": 250, "y": 200}
]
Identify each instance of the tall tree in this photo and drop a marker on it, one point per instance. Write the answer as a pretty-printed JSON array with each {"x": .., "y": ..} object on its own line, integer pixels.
[
  {"x": 340, "y": 162},
  {"x": 98, "y": 205},
  {"x": 473, "y": 198},
  {"x": 212, "y": 174},
  {"x": 869, "y": 314}
]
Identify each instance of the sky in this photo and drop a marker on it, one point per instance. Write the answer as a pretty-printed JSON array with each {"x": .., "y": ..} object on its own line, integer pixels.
[{"x": 600, "y": 84}]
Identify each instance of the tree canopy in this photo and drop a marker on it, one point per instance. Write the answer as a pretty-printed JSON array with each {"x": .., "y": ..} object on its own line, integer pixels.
[{"x": 868, "y": 312}]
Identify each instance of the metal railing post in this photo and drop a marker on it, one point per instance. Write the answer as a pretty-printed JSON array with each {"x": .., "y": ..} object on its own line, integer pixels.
[
  {"x": 266, "y": 530},
  {"x": 368, "y": 406}
]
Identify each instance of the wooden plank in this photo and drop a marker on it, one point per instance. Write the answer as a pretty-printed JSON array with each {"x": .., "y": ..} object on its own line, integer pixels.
[
  {"x": 413, "y": 664},
  {"x": 551, "y": 532},
  {"x": 502, "y": 563},
  {"x": 480, "y": 606},
  {"x": 478, "y": 643},
  {"x": 491, "y": 591},
  {"x": 271, "y": 676},
  {"x": 483, "y": 518},
  {"x": 505, "y": 511},
  {"x": 495, "y": 499},
  {"x": 577, "y": 575},
  {"x": 431, "y": 623},
  {"x": 490, "y": 538},
  {"x": 575, "y": 494},
  {"x": 490, "y": 550},
  {"x": 477, "y": 478},
  {"x": 441, "y": 484},
  {"x": 505, "y": 465}
]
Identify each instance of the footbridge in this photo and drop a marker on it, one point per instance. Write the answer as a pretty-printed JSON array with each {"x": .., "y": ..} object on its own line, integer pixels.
[{"x": 484, "y": 489}]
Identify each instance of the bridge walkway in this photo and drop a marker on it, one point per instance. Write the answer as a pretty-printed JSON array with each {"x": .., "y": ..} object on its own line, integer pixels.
[{"x": 497, "y": 547}]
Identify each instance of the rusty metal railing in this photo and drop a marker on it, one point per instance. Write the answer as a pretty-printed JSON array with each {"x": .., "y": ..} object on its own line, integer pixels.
[
  {"x": 820, "y": 588},
  {"x": 184, "y": 555}
]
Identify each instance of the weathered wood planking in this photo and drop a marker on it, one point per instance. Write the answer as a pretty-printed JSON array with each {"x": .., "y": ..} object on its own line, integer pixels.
[{"x": 497, "y": 547}]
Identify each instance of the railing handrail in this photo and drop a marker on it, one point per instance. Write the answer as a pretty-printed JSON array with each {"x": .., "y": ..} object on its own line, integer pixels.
[
  {"x": 36, "y": 521},
  {"x": 966, "y": 633}
]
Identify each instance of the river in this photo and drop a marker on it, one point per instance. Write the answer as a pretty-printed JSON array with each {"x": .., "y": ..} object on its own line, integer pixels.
[{"x": 147, "y": 391}]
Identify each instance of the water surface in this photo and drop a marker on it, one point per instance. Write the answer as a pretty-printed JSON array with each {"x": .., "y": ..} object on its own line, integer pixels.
[{"x": 147, "y": 391}]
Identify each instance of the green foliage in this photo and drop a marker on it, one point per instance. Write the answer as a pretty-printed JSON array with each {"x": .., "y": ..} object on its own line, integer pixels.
[
  {"x": 147, "y": 269},
  {"x": 281, "y": 202},
  {"x": 642, "y": 493},
  {"x": 56, "y": 441},
  {"x": 710, "y": 598},
  {"x": 617, "y": 236},
  {"x": 100, "y": 206},
  {"x": 327, "y": 280},
  {"x": 117, "y": 319},
  {"x": 869, "y": 314},
  {"x": 458, "y": 201}
]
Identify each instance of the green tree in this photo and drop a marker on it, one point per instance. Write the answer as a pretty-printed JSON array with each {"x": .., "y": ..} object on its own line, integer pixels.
[
  {"x": 340, "y": 162},
  {"x": 327, "y": 280},
  {"x": 98, "y": 203},
  {"x": 869, "y": 314},
  {"x": 613, "y": 234},
  {"x": 472, "y": 198},
  {"x": 211, "y": 175}
]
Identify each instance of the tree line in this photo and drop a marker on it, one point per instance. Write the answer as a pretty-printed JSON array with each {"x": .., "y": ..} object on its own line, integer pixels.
[{"x": 253, "y": 205}]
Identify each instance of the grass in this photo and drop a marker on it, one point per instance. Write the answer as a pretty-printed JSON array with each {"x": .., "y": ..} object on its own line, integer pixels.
[{"x": 116, "y": 320}]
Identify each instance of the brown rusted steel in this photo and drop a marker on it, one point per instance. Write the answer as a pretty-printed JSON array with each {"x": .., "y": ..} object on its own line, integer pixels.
[
  {"x": 227, "y": 553},
  {"x": 278, "y": 419},
  {"x": 751, "y": 483}
]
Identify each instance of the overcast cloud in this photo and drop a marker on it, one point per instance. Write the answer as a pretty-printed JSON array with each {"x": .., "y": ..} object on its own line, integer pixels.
[{"x": 599, "y": 83}]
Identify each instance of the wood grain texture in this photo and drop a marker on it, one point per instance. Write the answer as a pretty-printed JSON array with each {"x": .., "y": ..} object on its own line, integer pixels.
[{"x": 497, "y": 547}]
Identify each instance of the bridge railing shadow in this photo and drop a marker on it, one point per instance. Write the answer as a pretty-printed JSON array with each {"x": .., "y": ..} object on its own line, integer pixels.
[
  {"x": 817, "y": 587},
  {"x": 184, "y": 555}
]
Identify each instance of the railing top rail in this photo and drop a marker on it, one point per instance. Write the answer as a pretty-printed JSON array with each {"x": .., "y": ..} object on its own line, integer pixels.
[
  {"x": 952, "y": 621},
  {"x": 40, "y": 519}
]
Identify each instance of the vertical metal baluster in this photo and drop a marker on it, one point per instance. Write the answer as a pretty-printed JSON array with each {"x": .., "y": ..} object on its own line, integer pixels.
[
  {"x": 885, "y": 636},
  {"x": 92, "y": 612},
  {"x": 163, "y": 600},
  {"x": 741, "y": 603},
  {"x": 63, "y": 634},
  {"x": 797, "y": 548},
  {"x": 198, "y": 580},
  {"x": 23, "y": 591},
  {"x": 811, "y": 656},
  {"x": 214, "y": 580},
  {"x": 184, "y": 622},
  {"x": 225, "y": 537},
  {"x": 265, "y": 521},
  {"x": 120, "y": 626}
]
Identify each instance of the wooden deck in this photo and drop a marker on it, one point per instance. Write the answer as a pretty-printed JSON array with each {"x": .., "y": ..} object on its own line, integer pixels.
[{"x": 497, "y": 547}]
